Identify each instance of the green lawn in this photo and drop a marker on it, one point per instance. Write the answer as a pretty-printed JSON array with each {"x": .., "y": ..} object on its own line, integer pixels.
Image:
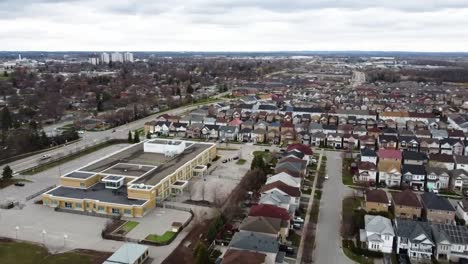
[
  {"x": 356, "y": 258},
  {"x": 347, "y": 177},
  {"x": 168, "y": 236},
  {"x": 25, "y": 253},
  {"x": 127, "y": 227},
  {"x": 241, "y": 162}
]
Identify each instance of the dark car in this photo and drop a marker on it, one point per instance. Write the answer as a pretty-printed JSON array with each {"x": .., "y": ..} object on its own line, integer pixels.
[
  {"x": 235, "y": 158},
  {"x": 20, "y": 184},
  {"x": 224, "y": 161}
]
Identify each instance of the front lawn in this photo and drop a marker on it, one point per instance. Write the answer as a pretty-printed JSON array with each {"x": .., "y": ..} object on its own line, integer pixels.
[
  {"x": 7, "y": 182},
  {"x": 347, "y": 176},
  {"x": 26, "y": 253},
  {"x": 167, "y": 237},
  {"x": 294, "y": 238}
]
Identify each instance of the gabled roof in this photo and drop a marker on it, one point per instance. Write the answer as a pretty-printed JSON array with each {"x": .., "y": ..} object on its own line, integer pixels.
[
  {"x": 289, "y": 190},
  {"x": 365, "y": 165},
  {"x": 413, "y": 169},
  {"x": 300, "y": 147},
  {"x": 414, "y": 155},
  {"x": 415, "y": 231},
  {"x": 254, "y": 242},
  {"x": 406, "y": 198},
  {"x": 378, "y": 224},
  {"x": 461, "y": 159},
  {"x": 234, "y": 256},
  {"x": 261, "y": 224},
  {"x": 295, "y": 174},
  {"x": 268, "y": 210},
  {"x": 377, "y": 196},
  {"x": 285, "y": 178},
  {"x": 435, "y": 202},
  {"x": 441, "y": 158},
  {"x": 450, "y": 233},
  {"x": 389, "y": 154}
]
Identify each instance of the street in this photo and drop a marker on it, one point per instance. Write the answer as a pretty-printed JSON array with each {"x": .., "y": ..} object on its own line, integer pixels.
[{"x": 328, "y": 237}]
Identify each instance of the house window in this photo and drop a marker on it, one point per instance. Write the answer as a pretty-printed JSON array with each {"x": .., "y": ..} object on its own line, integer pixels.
[
  {"x": 82, "y": 185},
  {"x": 77, "y": 205},
  {"x": 68, "y": 205},
  {"x": 100, "y": 208},
  {"x": 115, "y": 211},
  {"x": 127, "y": 211}
]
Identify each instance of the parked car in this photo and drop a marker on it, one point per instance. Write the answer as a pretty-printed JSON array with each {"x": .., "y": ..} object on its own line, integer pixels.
[
  {"x": 298, "y": 219},
  {"x": 19, "y": 184},
  {"x": 326, "y": 177},
  {"x": 296, "y": 226},
  {"x": 44, "y": 157},
  {"x": 224, "y": 161},
  {"x": 235, "y": 158},
  {"x": 435, "y": 191}
]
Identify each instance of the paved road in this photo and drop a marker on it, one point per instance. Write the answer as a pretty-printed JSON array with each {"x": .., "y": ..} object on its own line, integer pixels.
[
  {"x": 92, "y": 138},
  {"x": 328, "y": 239}
]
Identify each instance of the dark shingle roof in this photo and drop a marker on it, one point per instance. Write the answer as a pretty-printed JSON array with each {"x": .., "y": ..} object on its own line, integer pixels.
[
  {"x": 377, "y": 196},
  {"x": 413, "y": 155},
  {"x": 367, "y": 152},
  {"x": 413, "y": 169},
  {"x": 435, "y": 202},
  {"x": 406, "y": 198}
]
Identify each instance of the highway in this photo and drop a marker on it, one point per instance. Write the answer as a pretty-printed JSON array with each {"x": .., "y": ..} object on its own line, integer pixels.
[{"x": 92, "y": 138}]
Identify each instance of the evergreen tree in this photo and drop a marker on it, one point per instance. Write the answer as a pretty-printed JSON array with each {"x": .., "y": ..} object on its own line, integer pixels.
[
  {"x": 136, "y": 138},
  {"x": 7, "y": 173},
  {"x": 148, "y": 135},
  {"x": 6, "y": 120},
  {"x": 130, "y": 139},
  {"x": 189, "y": 89}
]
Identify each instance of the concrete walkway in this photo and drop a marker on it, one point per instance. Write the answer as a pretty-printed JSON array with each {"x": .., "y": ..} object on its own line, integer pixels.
[{"x": 300, "y": 252}]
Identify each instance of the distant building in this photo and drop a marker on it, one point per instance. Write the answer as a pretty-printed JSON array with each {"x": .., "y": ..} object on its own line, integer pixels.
[
  {"x": 117, "y": 57},
  {"x": 105, "y": 58},
  {"x": 94, "y": 61},
  {"x": 129, "y": 253},
  {"x": 128, "y": 57}
]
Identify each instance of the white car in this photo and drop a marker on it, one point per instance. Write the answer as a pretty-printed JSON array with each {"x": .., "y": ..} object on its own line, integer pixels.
[
  {"x": 298, "y": 219},
  {"x": 44, "y": 157},
  {"x": 326, "y": 177},
  {"x": 435, "y": 191}
]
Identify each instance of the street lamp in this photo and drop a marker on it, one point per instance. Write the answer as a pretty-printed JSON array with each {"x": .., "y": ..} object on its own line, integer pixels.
[{"x": 16, "y": 230}]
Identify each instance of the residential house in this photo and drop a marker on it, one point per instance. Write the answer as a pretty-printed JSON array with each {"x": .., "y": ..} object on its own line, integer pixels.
[
  {"x": 278, "y": 199},
  {"x": 256, "y": 242},
  {"x": 285, "y": 178},
  {"x": 268, "y": 210},
  {"x": 376, "y": 201},
  {"x": 437, "y": 178},
  {"x": 367, "y": 172},
  {"x": 461, "y": 162},
  {"x": 210, "y": 132},
  {"x": 429, "y": 145},
  {"x": 437, "y": 209},
  {"x": 178, "y": 129},
  {"x": 389, "y": 155},
  {"x": 334, "y": 140},
  {"x": 318, "y": 139},
  {"x": 414, "y": 239},
  {"x": 258, "y": 135},
  {"x": 442, "y": 160},
  {"x": 439, "y": 133},
  {"x": 293, "y": 192},
  {"x": 413, "y": 175},
  {"x": 367, "y": 142},
  {"x": 244, "y": 135},
  {"x": 406, "y": 205},
  {"x": 389, "y": 173},
  {"x": 194, "y": 130},
  {"x": 451, "y": 242},
  {"x": 378, "y": 233},
  {"x": 350, "y": 141},
  {"x": 228, "y": 133},
  {"x": 388, "y": 142},
  {"x": 368, "y": 155},
  {"x": 410, "y": 143},
  {"x": 274, "y": 227},
  {"x": 161, "y": 128},
  {"x": 414, "y": 158},
  {"x": 451, "y": 146},
  {"x": 459, "y": 181}
]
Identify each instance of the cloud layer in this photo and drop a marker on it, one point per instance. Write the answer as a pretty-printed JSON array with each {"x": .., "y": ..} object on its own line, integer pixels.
[{"x": 234, "y": 25}]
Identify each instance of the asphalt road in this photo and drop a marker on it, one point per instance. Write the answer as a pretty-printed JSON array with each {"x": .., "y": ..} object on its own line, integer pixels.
[
  {"x": 92, "y": 138},
  {"x": 328, "y": 237}
]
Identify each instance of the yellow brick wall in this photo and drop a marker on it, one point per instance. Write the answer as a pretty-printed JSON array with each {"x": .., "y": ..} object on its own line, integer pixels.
[
  {"x": 406, "y": 212},
  {"x": 376, "y": 207}
]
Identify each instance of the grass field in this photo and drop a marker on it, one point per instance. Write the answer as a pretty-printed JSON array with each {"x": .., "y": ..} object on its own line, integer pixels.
[
  {"x": 6, "y": 183},
  {"x": 25, "y": 253},
  {"x": 166, "y": 237},
  {"x": 127, "y": 227},
  {"x": 347, "y": 176}
]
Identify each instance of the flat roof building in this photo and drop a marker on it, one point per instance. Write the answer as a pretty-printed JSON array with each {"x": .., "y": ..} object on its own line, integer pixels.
[
  {"x": 131, "y": 181},
  {"x": 129, "y": 253}
]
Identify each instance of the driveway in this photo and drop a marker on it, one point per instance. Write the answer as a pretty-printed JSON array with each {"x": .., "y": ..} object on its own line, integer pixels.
[{"x": 328, "y": 237}]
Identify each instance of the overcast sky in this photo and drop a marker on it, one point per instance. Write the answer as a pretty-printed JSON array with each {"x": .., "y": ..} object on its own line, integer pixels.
[{"x": 234, "y": 25}]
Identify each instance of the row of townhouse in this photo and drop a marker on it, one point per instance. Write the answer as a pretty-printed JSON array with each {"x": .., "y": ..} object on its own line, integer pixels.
[
  {"x": 420, "y": 241},
  {"x": 268, "y": 223},
  {"x": 394, "y": 168}
]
